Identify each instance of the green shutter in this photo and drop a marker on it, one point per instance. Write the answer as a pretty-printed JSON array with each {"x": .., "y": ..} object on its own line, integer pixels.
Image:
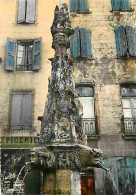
[
  {"x": 75, "y": 44},
  {"x": 21, "y": 10},
  {"x": 31, "y": 11},
  {"x": 131, "y": 40},
  {"x": 125, "y": 4},
  {"x": 37, "y": 48},
  {"x": 85, "y": 42},
  {"x": 10, "y": 55},
  {"x": 84, "y": 6},
  {"x": 74, "y": 5},
  {"x": 120, "y": 41},
  {"x": 116, "y": 4}
]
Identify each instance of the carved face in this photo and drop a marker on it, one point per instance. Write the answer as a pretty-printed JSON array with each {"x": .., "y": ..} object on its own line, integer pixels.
[
  {"x": 64, "y": 6},
  {"x": 33, "y": 157}
]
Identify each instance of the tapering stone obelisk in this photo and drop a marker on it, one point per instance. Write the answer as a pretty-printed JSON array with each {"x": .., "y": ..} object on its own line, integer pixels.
[
  {"x": 61, "y": 155},
  {"x": 62, "y": 117}
]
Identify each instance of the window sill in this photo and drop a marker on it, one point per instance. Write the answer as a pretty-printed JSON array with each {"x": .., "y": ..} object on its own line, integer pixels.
[
  {"x": 20, "y": 72},
  {"x": 129, "y": 137},
  {"x": 125, "y": 58},
  {"x": 83, "y": 58},
  {"x": 85, "y": 12},
  {"x": 122, "y": 10},
  {"x": 93, "y": 137},
  {"x": 21, "y": 132},
  {"x": 26, "y": 23}
]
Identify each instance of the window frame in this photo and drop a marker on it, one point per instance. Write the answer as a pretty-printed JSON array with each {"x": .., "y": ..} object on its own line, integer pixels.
[
  {"x": 22, "y": 131},
  {"x": 12, "y": 55},
  {"x": 125, "y": 51},
  {"x": 120, "y": 9},
  {"x": 24, "y": 20},
  {"x": 78, "y": 7},
  {"x": 25, "y": 57},
  {"x": 94, "y": 132},
  {"x": 129, "y": 122},
  {"x": 83, "y": 50}
]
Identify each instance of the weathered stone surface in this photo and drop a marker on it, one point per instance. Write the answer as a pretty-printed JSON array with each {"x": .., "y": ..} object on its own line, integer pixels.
[{"x": 62, "y": 117}]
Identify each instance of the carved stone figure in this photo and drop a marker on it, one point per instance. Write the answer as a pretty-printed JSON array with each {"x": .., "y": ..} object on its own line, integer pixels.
[
  {"x": 61, "y": 108},
  {"x": 78, "y": 157}
]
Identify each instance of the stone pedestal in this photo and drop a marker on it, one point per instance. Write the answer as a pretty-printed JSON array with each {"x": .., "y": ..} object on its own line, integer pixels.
[{"x": 58, "y": 182}]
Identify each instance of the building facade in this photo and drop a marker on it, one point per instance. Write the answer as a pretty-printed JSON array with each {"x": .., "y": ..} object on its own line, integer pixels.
[{"x": 103, "y": 50}]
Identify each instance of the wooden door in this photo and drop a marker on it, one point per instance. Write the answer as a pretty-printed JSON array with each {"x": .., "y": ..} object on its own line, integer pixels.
[{"x": 87, "y": 185}]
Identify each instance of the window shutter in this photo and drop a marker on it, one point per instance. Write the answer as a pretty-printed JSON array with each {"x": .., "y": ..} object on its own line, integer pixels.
[
  {"x": 26, "y": 112},
  {"x": 88, "y": 106},
  {"x": 31, "y": 11},
  {"x": 10, "y": 55},
  {"x": 16, "y": 111},
  {"x": 21, "y": 10},
  {"x": 85, "y": 42},
  {"x": 84, "y": 6},
  {"x": 74, "y": 5},
  {"x": 120, "y": 41},
  {"x": 125, "y": 4},
  {"x": 75, "y": 44},
  {"x": 37, "y": 54},
  {"x": 131, "y": 40},
  {"x": 115, "y": 4}
]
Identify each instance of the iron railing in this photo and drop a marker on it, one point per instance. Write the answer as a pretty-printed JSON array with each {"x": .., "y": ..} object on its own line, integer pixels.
[
  {"x": 24, "y": 67},
  {"x": 89, "y": 126},
  {"x": 130, "y": 126}
]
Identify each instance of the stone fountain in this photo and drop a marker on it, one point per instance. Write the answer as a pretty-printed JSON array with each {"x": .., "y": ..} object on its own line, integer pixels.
[{"x": 62, "y": 154}]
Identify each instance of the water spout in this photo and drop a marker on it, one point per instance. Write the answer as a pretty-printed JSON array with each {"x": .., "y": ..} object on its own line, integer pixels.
[
  {"x": 26, "y": 174},
  {"x": 27, "y": 163},
  {"x": 99, "y": 164},
  {"x": 19, "y": 175}
]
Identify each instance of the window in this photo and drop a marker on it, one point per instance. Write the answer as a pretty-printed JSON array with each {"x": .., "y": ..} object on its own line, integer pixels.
[
  {"x": 120, "y": 5},
  {"x": 21, "y": 113},
  {"x": 80, "y": 43},
  {"x": 128, "y": 94},
  {"x": 125, "y": 41},
  {"x": 23, "y": 55},
  {"x": 26, "y": 11},
  {"x": 79, "y": 6},
  {"x": 86, "y": 97}
]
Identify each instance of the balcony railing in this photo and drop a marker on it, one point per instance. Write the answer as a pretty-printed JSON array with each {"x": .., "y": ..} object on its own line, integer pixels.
[
  {"x": 130, "y": 126},
  {"x": 89, "y": 126}
]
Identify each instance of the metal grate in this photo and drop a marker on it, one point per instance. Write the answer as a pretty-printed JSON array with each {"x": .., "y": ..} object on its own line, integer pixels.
[
  {"x": 24, "y": 67},
  {"x": 130, "y": 126}
]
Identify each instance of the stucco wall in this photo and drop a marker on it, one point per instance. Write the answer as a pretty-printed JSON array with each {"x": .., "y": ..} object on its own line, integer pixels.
[
  {"x": 104, "y": 70},
  {"x": 35, "y": 81}
]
